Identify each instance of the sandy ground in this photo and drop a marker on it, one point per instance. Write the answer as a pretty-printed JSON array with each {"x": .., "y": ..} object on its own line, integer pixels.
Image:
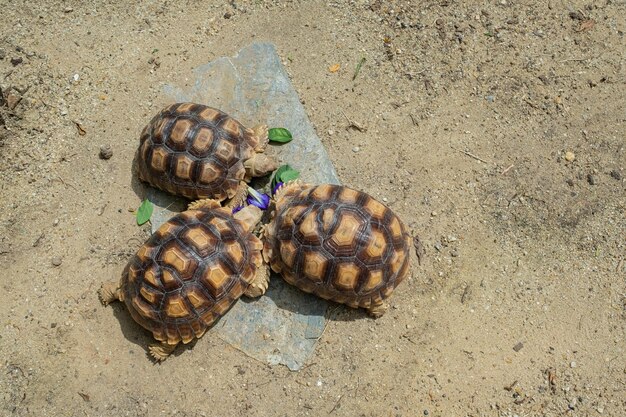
[{"x": 495, "y": 129}]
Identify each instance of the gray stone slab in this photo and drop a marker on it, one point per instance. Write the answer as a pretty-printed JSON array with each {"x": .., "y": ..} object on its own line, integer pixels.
[{"x": 283, "y": 326}]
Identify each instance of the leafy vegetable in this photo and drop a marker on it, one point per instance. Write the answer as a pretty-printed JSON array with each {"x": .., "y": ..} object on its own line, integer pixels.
[
  {"x": 284, "y": 174},
  {"x": 144, "y": 212},
  {"x": 289, "y": 175},
  {"x": 279, "y": 134}
]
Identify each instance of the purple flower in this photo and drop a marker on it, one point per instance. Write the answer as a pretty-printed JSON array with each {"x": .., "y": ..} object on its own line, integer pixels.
[
  {"x": 236, "y": 209},
  {"x": 276, "y": 187},
  {"x": 258, "y": 199}
]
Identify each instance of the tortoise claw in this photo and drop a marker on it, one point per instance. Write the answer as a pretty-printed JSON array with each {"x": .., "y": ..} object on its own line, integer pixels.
[
  {"x": 160, "y": 351},
  {"x": 376, "y": 311},
  {"x": 259, "y": 284},
  {"x": 109, "y": 292}
]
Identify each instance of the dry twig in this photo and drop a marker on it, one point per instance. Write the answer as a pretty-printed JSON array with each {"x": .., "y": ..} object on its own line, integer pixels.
[
  {"x": 471, "y": 155},
  {"x": 356, "y": 125}
]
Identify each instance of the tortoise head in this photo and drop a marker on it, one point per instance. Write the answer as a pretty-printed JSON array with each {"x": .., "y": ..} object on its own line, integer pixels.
[
  {"x": 249, "y": 216},
  {"x": 260, "y": 164}
]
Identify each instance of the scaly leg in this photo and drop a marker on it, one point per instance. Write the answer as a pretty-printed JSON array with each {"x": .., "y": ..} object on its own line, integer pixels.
[
  {"x": 260, "y": 131},
  {"x": 240, "y": 196},
  {"x": 260, "y": 282},
  {"x": 160, "y": 351},
  {"x": 109, "y": 292},
  {"x": 378, "y": 310}
]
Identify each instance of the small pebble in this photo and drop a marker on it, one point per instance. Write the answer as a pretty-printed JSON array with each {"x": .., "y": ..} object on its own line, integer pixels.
[
  {"x": 518, "y": 346},
  {"x": 616, "y": 174},
  {"x": 490, "y": 99},
  {"x": 106, "y": 152},
  {"x": 3, "y": 54},
  {"x": 13, "y": 101},
  {"x": 600, "y": 410},
  {"x": 592, "y": 179},
  {"x": 356, "y": 149},
  {"x": 433, "y": 213},
  {"x": 426, "y": 412},
  {"x": 572, "y": 404},
  {"x": 572, "y": 364},
  {"x": 438, "y": 246},
  {"x": 53, "y": 325},
  {"x": 385, "y": 199},
  {"x": 16, "y": 61},
  {"x": 570, "y": 182},
  {"x": 331, "y": 132},
  {"x": 228, "y": 15},
  {"x": 455, "y": 253},
  {"x": 56, "y": 261},
  {"x": 569, "y": 156}
]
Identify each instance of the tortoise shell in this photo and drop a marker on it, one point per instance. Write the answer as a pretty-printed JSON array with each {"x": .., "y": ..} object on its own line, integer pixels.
[
  {"x": 338, "y": 243},
  {"x": 189, "y": 273},
  {"x": 195, "y": 151}
]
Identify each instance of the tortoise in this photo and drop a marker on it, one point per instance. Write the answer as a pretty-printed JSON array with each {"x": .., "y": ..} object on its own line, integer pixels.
[
  {"x": 190, "y": 272},
  {"x": 337, "y": 243},
  {"x": 196, "y": 151}
]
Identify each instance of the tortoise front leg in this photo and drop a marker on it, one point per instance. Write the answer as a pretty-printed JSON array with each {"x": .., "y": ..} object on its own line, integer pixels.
[
  {"x": 261, "y": 131},
  {"x": 109, "y": 292},
  {"x": 240, "y": 196}
]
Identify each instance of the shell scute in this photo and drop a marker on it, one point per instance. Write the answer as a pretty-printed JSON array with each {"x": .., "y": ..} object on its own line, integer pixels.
[
  {"x": 194, "y": 151},
  {"x": 338, "y": 243},
  {"x": 187, "y": 275}
]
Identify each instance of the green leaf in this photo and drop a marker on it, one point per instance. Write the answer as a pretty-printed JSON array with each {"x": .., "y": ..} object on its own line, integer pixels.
[
  {"x": 283, "y": 174},
  {"x": 277, "y": 173},
  {"x": 144, "y": 212},
  {"x": 358, "y": 68},
  {"x": 279, "y": 134},
  {"x": 289, "y": 175}
]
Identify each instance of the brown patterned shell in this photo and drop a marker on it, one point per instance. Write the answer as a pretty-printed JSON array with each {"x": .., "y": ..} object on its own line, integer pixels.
[
  {"x": 338, "y": 243},
  {"x": 194, "y": 151},
  {"x": 189, "y": 273}
]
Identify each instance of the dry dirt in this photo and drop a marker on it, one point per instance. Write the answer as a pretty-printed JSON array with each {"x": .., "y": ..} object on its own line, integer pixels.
[{"x": 495, "y": 129}]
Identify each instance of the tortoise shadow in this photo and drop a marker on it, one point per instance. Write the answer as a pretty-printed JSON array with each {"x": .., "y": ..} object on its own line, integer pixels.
[
  {"x": 289, "y": 298},
  {"x": 139, "y": 336},
  {"x": 141, "y": 189}
]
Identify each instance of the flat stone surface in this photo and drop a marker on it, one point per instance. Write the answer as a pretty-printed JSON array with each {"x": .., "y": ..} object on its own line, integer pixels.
[{"x": 283, "y": 326}]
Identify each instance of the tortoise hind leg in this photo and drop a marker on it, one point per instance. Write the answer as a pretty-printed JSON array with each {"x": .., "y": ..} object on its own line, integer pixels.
[
  {"x": 377, "y": 310},
  {"x": 109, "y": 292},
  {"x": 160, "y": 351}
]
